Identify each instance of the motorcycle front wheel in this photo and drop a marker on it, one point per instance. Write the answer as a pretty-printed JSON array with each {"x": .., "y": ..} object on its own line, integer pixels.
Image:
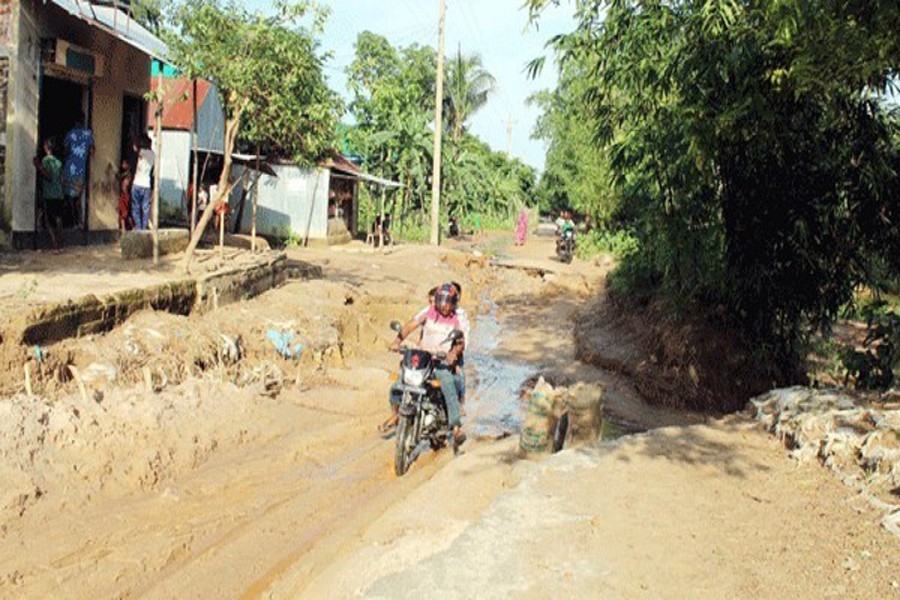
[{"x": 404, "y": 444}]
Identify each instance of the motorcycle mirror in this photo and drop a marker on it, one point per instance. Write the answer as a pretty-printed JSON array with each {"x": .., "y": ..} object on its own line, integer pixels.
[{"x": 396, "y": 326}]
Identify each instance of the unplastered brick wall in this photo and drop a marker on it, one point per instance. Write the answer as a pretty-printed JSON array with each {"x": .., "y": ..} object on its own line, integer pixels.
[{"x": 5, "y": 22}]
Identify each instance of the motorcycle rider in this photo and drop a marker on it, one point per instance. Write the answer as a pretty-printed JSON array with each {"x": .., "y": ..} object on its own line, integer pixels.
[
  {"x": 563, "y": 224},
  {"x": 459, "y": 370},
  {"x": 437, "y": 321}
]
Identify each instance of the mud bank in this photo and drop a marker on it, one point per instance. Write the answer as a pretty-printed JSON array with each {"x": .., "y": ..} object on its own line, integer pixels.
[
  {"x": 128, "y": 410},
  {"x": 26, "y": 335}
]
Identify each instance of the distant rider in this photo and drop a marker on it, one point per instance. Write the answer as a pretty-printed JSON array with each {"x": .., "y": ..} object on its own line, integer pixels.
[
  {"x": 563, "y": 224},
  {"x": 437, "y": 321}
]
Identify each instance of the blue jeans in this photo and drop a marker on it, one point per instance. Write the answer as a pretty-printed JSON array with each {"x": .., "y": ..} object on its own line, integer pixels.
[
  {"x": 140, "y": 206},
  {"x": 448, "y": 387}
]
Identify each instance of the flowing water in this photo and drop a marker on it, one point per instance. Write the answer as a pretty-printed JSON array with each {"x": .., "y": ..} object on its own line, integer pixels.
[{"x": 493, "y": 405}]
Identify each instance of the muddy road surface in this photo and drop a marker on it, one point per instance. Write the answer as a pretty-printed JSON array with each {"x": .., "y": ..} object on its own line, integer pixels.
[
  {"x": 264, "y": 477},
  {"x": 218, "y": 478}
]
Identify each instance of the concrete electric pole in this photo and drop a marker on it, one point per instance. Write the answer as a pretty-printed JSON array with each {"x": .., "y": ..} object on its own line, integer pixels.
[{"x": 438, "y": 128}]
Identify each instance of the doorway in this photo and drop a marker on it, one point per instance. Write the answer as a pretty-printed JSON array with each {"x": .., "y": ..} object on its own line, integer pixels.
[
  {"x": 62, "y": 102},
  {"x": 134, "y": 125}
]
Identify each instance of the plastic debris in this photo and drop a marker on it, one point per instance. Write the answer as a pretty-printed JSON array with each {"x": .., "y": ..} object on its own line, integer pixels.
[
  {"x": 96, "y": 373},
  {"x": 282, "y": 342},
  {"x": 230, "y": 350},
  {"x": 39, "y": 354}
]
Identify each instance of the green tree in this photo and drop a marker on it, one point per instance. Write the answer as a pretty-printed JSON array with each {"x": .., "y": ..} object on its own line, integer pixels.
[
  {"x": 752, "y": 146},
  {"x": 576, "y": 169},
  {"x": 393, "y": 103},
  {"x": 150, "y": 14},
  {"x": 467, "y": 88},
  {"x": 393, "y": 92},
  {"x": 268, "y": 72}
]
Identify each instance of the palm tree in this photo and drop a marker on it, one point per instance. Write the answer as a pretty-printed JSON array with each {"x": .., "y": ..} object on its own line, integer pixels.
[{"x": 468, "y": 85}]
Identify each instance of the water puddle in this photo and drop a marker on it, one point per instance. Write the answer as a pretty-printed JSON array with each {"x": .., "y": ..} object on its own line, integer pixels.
[{"x": 493, "y": 405}]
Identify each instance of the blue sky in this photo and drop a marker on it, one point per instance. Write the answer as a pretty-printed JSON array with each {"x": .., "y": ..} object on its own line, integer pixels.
[{"x": 496, "y": 29}]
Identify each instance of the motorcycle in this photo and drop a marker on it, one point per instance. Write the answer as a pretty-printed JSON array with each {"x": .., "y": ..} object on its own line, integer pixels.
[
  {"x": 423, "y": 411},
  {"x": 565, "y": 247}
]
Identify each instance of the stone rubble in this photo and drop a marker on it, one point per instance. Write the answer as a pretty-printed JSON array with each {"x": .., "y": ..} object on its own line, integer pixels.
[{"x": 858, "y": 440}]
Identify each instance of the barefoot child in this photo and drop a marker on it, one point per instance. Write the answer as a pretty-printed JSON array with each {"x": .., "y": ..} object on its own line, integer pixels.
[{"x": 50, "y": 169}]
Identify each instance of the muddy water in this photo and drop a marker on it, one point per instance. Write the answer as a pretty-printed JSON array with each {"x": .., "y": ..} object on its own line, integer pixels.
[{"x": 493, "y": 406}]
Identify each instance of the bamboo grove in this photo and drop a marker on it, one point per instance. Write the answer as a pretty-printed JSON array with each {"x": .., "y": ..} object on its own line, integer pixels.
[{"x": 749, "y": 148}]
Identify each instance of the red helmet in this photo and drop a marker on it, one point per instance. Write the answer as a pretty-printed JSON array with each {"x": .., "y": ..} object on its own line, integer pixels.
[{"x": 446, "y": 298}]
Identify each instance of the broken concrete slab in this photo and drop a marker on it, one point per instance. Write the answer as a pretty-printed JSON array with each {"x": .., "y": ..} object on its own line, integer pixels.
[{"x": 532, "y": 267}]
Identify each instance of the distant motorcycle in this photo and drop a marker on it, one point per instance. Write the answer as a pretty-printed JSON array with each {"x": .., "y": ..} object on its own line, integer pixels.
[
  {"x": 565, "y": 247},
  {"x": 423, "y": 410}
]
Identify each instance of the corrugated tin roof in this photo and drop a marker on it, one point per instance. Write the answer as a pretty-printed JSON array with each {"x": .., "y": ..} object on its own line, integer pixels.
[
  {"x": 339, "y": 162},
  {"x": 116, "y": 23},
  {"x": 178, "y": 102}
]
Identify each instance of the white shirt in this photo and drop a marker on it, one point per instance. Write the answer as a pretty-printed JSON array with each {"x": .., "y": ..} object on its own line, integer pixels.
[
  {"x": 436, "y": 328},
  {"x": 202, "y": 199},
  {"x": 146, "y": 161}
]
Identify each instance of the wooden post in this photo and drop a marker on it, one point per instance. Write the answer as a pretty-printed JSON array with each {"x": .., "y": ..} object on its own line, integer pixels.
[
  {"x": 381, "y": 228},
  {"x": 194, "y": 189},
  {"x": 222, "y": 230},
  {"x": 156, "y": 168},
  {"x": 255, "y": 204}
]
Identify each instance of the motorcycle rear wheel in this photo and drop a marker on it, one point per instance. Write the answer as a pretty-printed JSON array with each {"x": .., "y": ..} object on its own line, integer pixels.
[{"x": 404, "y": 447}]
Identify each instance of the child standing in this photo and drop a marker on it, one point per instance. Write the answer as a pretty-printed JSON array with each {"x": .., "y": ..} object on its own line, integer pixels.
[
  {"x": 140, "y": 188},
  {"x": 52, "y": 197},
  {"x": 124, "y": 206}
]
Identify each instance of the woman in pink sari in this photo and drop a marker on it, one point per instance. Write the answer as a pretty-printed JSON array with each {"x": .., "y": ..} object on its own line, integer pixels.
[{"x": 522, "y": 228}]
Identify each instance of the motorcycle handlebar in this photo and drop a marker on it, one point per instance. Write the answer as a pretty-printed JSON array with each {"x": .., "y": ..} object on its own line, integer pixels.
[{"x": 438, "y": 356}]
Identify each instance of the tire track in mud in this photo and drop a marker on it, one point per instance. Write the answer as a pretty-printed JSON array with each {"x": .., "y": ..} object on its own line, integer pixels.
[
  {"x": 306, "y": 510},
  {"x": 284, "y": 507},
  {"x": 382, "y": 490}
]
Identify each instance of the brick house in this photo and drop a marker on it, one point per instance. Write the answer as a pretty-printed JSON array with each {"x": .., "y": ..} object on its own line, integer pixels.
[{"x": 58, "y": 59}]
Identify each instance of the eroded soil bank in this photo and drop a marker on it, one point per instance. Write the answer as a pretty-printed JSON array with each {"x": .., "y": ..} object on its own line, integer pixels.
[{"x": 265, "y": 477}]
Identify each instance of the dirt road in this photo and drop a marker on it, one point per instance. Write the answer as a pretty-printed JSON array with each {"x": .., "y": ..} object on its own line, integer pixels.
[{"x": 209, "y": 489}]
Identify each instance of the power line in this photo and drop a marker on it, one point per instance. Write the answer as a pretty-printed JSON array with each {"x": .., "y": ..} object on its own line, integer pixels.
[{"x": 471, "y": 22}]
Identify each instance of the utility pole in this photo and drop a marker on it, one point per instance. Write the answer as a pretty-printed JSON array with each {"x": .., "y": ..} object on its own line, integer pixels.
[
  {"x": 438, "y": 128},
  {"x": 509, "y": 124}
]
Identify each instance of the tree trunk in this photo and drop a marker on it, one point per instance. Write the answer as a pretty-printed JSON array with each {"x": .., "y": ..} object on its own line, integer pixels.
[
  {"x": 232, "y": 125},
  {"x": 404, "y": 202}
]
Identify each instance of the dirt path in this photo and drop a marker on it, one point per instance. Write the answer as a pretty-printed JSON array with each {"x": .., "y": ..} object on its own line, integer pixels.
[
  {"x": 704, "y": 511},
  {"x": 226, "y": 493}
]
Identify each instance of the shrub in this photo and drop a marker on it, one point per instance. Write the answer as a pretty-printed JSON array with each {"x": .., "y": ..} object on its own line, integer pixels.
[{"x": 873, "y": 366}]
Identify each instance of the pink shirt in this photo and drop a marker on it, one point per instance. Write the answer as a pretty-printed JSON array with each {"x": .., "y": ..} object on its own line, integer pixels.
[{"x": 436, "y": 328}]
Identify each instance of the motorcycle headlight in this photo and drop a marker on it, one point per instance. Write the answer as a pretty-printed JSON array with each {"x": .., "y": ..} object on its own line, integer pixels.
[{"x": 414, "y": 377}]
